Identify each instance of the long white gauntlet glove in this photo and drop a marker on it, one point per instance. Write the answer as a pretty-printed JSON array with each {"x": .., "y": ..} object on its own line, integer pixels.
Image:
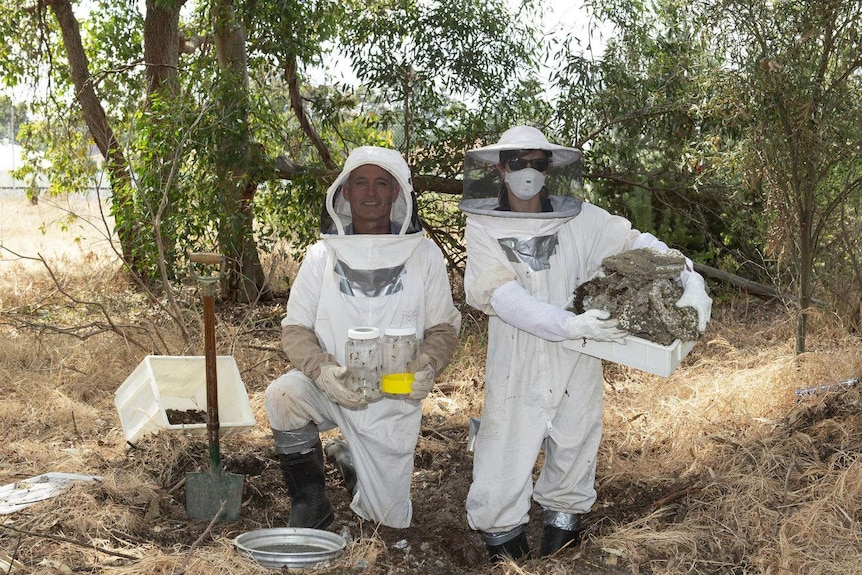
[
  {"x": 594, "y": 324},
  {"x": 331, "y": 381},
  {"x": 694, "y": 295},
  {"x": 517, "y": 307}
]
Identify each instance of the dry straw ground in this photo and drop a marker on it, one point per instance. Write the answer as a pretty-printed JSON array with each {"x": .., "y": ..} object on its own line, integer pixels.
[{"x": 717, "y": 469}]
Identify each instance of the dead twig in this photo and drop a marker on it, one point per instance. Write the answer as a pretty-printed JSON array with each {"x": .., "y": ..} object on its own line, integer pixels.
[
  {"x": 200, "y": 539},
  {"x": 448, "y": 440},
  {"x": 120, "y": 330},
  {"x": 62, "y": 539},
  {"x": 668, "y": 499}
]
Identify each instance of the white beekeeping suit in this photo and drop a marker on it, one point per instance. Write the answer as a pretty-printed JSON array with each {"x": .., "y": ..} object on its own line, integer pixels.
[
  {"x": 521, "y": 270},
  {"x": 348, "y": 280}
]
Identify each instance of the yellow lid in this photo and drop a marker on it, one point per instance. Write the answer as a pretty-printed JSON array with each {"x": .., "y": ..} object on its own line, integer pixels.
[{"x": 397, "y": 383}]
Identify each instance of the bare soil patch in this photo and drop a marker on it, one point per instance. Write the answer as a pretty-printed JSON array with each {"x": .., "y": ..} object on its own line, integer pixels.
[{"x": 717, "y": 469}]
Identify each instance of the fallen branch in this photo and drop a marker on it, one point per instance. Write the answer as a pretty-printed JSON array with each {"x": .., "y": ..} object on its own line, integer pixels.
[
  {"x": 61, "y": 539},
  {"x": 754, "y": 288},
  {"x": 91, "y": 329}
]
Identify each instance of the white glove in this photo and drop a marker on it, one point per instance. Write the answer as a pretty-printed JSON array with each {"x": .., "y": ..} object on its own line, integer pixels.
[
  {"x": 331, "y": 381},
  {"x": 594, "y": 324},
  {"x": 423, "y": 377},
  {"x": 694, "y": 295},
  {"x": 423, "y": 383}
]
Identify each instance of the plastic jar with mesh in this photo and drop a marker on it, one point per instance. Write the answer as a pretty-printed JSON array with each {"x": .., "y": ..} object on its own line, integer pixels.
[
  {"x": 362, "y": 356},
  {"x": 399, "y": 351}
]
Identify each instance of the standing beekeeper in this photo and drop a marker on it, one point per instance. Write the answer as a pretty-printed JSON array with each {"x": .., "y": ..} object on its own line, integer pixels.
[
  {"x": 530, "y": 243},
  {"x": 373, "y": 266}
]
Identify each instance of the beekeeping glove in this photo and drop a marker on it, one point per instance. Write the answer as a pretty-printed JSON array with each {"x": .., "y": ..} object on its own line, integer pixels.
[
  {"x": 423, "y": 378},
  {"x": 594, "y": 324},
  {"x": 694, "y": 295},
  {"x": 332, "y": 382},
  {"x": 438, "y": 345}
]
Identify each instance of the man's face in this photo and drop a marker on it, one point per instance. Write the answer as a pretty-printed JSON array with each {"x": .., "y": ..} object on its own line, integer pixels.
[{"x": 370, "y": 190}]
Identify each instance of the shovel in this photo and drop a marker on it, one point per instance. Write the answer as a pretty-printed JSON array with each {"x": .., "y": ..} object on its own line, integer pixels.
[{"x": 211, "y": 494}]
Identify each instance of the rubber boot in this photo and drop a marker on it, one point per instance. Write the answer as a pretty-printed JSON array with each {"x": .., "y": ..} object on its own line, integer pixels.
[
  {"x": 305, "y": 477},
  {"x": 561, "y": 530},
  {"x": 513, "y": 549},
  {"x": 339, "y": 454}
]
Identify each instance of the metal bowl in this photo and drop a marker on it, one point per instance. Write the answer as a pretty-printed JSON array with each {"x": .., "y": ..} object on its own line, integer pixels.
[{"x": 289, "y": 546}]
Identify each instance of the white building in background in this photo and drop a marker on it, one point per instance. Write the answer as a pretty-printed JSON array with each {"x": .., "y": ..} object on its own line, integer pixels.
[{"x": 10, "y": 160}]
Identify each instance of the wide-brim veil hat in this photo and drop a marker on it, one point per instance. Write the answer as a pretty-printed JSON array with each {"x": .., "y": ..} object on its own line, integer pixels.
[{"x": 525, "y": 138}]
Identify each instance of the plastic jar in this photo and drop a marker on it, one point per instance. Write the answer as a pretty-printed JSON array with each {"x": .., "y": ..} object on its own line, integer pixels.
[
  {"x": 362, "y": 357},
  {"x": 399, "y": 352}
]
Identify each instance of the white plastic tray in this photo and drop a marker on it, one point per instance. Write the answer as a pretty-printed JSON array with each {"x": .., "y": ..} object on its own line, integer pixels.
[
  {"x": 162, "y": 382},
  {"x": 636, "y": 352}
]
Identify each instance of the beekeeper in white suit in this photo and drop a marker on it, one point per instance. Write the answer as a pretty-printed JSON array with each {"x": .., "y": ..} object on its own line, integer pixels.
[
  {"x": 530, "y": 243},
  {"x": 373, "y": 266}
]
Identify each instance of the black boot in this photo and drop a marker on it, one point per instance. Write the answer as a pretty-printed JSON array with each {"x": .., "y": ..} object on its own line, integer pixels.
[
  {"x": 514, "y": 549},
  {"x": 305, "y": 477},
  {"x": 554, "y": 539},
  {"x": 339, "y": 454}
]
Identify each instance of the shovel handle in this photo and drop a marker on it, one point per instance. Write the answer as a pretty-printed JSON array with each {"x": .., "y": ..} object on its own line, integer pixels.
[
  {"x": 207, "y": 283},
  {"x": 207, "y": 258},
  {"x": 211, "y": 381}
]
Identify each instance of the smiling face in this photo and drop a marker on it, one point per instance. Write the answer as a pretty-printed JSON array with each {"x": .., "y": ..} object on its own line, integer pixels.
[{"x": 370, "y": 190}]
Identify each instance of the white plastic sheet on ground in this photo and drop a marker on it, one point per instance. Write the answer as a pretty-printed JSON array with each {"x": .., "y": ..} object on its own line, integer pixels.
[{"x": 21, "y": 494}]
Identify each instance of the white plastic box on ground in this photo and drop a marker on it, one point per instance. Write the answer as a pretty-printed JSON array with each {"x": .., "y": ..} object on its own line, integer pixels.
[
  {"x": 161, "y": 383},
  {"x": 636, "y": 352}
]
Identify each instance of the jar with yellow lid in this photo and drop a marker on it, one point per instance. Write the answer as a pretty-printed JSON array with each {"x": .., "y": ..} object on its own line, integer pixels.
[{"x": 398, "y": 354}]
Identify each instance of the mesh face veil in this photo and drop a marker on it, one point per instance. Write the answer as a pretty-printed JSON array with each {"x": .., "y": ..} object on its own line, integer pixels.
[{"x": 485, "y": 178}]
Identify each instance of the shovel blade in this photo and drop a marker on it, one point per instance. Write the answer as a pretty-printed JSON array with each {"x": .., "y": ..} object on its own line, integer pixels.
[{"x": 207, "y": 492}]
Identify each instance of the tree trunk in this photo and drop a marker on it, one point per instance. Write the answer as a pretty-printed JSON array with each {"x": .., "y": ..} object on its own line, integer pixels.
[
  {"x": 161, "y": 55},
  {"x": 807, "y": 206},
  {"x": 245, "y": 280},
  {"x": 116, "y": 165}
]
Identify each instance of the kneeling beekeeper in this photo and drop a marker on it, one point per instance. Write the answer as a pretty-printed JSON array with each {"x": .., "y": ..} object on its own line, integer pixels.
[{"x": 373, "y": 266}]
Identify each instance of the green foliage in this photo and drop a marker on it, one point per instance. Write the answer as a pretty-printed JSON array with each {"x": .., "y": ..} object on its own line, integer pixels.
[
  {"x": 653, "y": 140},
  {"x": 729, "y": 128},
  {"x": 64, "y": 147},
  {"x": 443, "y": 74}
]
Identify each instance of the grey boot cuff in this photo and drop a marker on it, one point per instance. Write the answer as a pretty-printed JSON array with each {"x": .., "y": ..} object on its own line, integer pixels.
[
  {"x": 561, "y": 520},
  {"x": 296, "y": 440},
  {"x": 494, "y": 539}
]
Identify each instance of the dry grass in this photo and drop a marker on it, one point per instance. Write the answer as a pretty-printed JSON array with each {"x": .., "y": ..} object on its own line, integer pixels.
[{"x": 716, "y": 469}]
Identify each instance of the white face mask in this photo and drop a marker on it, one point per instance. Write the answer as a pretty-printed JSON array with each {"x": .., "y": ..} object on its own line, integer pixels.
[{"x": 525, "y": 183}]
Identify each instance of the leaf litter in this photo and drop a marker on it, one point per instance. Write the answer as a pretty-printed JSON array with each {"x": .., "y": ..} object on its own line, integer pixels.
[{"x": 719, "y": 468}]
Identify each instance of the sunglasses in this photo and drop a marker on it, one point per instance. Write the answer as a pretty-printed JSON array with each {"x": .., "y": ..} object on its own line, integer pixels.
[{"x": 539, "y": 164}]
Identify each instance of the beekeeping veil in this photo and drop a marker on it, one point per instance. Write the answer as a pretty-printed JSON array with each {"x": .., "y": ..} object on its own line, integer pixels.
[
  {"x": 485, "y": 191},
  {"x": 336, "y": 218},
  {"x": 371, "y": 265}
]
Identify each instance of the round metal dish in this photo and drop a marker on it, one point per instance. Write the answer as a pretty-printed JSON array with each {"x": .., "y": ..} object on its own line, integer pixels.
[{"x": 289, "y": 546}]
